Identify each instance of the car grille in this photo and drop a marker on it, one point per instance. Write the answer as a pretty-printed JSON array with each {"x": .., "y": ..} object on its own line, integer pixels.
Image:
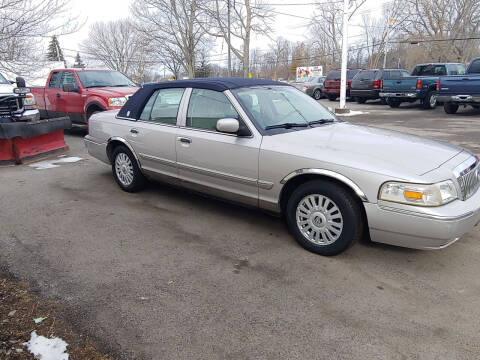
[
  {"x": 8, "y": 106},
  {"x": 468, "y": 176}
]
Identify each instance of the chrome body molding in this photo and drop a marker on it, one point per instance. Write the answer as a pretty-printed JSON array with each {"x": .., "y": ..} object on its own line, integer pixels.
[
  {"x": 226, "y": 176},
  {"x": 424, "y": 215},
  {"x": 328, "y": 173},
  {"x": 157, "y": 159}
]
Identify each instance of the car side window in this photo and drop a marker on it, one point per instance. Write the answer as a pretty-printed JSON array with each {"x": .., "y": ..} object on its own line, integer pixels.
[
  {"x": 69, "y": 78},
  {"x": 206, "y": 107},
  {"x": 54, "y": 82},
  {"x": 162, "y": 107},
  {"x": 474, "y": 67}
]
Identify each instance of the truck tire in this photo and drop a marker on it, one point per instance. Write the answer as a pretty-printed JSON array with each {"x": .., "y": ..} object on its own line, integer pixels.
[
  {"x": 324, "y": 217},
  {"x": 393, "y": 103},
  {"x": 332, "y": 97},
  {"x": 430, "y": 100},
  {"x": 450, "y": 108}
]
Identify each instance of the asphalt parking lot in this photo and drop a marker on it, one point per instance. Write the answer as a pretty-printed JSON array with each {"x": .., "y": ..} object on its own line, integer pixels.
[{"x": 166, "y": 274}]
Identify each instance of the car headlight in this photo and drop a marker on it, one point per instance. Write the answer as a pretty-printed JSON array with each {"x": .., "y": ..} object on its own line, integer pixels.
[
  {"x": 419, "y": 194},
  {"x": 29, "y": 102},
  {"x": 120, "y": 101}
]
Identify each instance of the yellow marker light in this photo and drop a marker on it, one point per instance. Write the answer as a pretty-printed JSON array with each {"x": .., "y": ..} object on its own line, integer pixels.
[
  {"x": 414, "y": 195},
  {"x": 110, "y": 101}
]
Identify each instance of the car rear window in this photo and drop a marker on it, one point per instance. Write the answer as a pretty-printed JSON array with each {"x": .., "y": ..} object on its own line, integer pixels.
[
  {"x": 456, "y": 69},
  {"x": 367, "y": 75},
  {"x": 351, "y": 73},
  {"x": 429, "y": 70},
  {"x": 394, "y": 74},
  {"x": 332, "y": 75}
]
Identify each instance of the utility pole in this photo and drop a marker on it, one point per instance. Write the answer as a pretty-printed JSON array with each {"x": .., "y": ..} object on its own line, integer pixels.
[
  {"x": 229, "y": 41},
  {"x": 343, "y": 77}
]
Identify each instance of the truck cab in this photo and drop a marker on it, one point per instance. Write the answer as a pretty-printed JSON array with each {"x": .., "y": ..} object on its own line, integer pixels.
[{"x": 78, "y": 93}]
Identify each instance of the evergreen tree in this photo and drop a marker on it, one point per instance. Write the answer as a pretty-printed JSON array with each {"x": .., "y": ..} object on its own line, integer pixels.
[
  {"x": 54, "y": 52},
  {"x": 78, "y": 62}
]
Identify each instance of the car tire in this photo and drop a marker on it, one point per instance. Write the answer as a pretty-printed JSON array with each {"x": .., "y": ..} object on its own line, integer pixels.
[
  {"x": 330, "y": 212},
  {"x": 361, "y": 100},
  {"x": 125, "y": 170},
  {"x": 332, "y": 97},
  {"x": 430, "y": 100},
  {"x": 383, "y": 101},
  {"x": 317, "y": 94},
  {"x": 393, "y": 103},
  {"x": 450, "y": 108}
]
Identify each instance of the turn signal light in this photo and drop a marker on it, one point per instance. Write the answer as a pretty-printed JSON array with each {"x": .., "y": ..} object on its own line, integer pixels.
[
  {"x": 438, "y": 84},
  {"x": 377, "y": 84},
  {"x": 419, "y": 84},
  {"x": 413, "y": 195}
]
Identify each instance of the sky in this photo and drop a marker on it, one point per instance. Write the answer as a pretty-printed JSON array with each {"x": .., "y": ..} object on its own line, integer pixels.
[{"x": 290, "y": 27}]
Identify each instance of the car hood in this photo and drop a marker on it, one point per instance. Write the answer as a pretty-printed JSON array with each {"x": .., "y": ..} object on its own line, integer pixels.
[
  {"x": 113, "y": 91},
  {"x": 368, "y": 148},
  {"x": 6, "y": 89}
]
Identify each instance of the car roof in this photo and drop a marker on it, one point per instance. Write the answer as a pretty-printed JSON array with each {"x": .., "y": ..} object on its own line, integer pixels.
[
  {"x": 133, "y": 106},
  {"x": 217, "y": 84}
]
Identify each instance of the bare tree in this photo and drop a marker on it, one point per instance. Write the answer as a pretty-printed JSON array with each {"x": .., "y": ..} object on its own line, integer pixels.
[
  {"x": 118, "y": 46},
  {"x": 23, "y": 23},
  {"x": 246, "y": 17},
  {"x": 171, "y": 25}
]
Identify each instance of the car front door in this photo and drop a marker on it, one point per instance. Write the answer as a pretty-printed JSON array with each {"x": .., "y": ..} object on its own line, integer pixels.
[
  {"x": 71, "y": 101},
  {"x": 221, "y": 164},
  {"x": 153, "y": 135}
]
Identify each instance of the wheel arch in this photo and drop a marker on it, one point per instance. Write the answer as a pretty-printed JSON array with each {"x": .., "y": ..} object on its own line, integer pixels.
[
  {"x": 298, "y": 177},
  {"x": 115, "y": 141},
  {"x": 91, "y": 106}
]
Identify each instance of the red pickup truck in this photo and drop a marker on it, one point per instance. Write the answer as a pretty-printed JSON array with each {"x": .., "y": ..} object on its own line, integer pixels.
[{"x": 78, "y": 93}]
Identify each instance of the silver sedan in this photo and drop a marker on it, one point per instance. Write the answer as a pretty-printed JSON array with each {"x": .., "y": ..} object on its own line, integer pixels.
[{"x": 266, "y": 145}]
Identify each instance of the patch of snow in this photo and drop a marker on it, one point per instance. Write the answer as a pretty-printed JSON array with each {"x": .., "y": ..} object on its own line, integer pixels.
[
  {"x": 47, "y": 349},
  {"x": 353, "y": 113},
  {"x": 39, "y": 320},
  {"x": 50, "y": 164}
]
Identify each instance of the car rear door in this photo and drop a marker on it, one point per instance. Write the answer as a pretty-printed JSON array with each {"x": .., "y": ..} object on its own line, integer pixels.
[
  {"x": 225, "y": 165},
  {"x": 52, "y": 94},
  {"x": 153, "y": 135}
]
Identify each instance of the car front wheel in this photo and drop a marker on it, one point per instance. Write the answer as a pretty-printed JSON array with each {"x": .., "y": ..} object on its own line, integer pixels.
[
  {"x": 126, "y": 171},
  {"x": 324, "y": 218}
]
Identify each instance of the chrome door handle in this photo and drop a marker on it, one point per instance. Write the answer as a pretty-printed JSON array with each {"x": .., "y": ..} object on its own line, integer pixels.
[
  {"x": 185, "y": 140},
  {"x": 134, "y": 131}
]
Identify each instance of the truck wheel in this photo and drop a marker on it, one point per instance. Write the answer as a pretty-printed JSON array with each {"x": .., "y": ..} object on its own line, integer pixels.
[
  {"x": 450, "y": 108},
  {"x": 361, "y": 100},
  {"x": 317, "y": 94},
  {"x": 393, "y": 103},
  {"x": 126, "y": 171},
  {"x": 430, "y": 100},
  {"x": 332, "y": 97},
  {"x": 324, "y": 217},
  {"x": 383, "y": 101}
]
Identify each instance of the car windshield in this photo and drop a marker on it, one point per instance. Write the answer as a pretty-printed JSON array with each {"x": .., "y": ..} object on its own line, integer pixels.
[
  {"x": 101, "y": 78},
  {"x": 3, "y": 80},
  {"x": 282, "y": 106}
]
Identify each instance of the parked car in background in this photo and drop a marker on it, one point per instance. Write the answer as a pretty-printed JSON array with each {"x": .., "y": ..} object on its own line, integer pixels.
[
  {"x": 455, "y": 91},
  {"x": 368, "y": 84},
  {"x": 78, "y": 93},
  {"x": 17, "y": 103},
  {"x": 267, "y": 145},
  {"x": 331, "y": 86},
  {"x": 421, "y": 85},
  {"x": 313, "y": 86}
]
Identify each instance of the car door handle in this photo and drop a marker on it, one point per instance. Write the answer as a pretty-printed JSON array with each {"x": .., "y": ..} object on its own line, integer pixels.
[
  {"x": 134, "y": 131},
  {"x": 58, "y": 96},
  {"x": 185, "y": 140}
]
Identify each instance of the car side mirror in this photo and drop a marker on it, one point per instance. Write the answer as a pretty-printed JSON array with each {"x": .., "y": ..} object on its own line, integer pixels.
[
  {"x": 70, "y": 88},
  {"x": 20, "y": 82},
  {"x": 228, "y": 125}
]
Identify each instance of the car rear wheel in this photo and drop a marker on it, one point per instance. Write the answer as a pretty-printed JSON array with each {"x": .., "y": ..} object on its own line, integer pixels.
[
  {"x": 361, "y": 100},
  {"x": 324, "y": 217},
  {"x": 317, "y": 94},
  {"x": 430, "y": 100},
  {"x": 393, "y": 103},
  {"x": 450, "y": 108},
  {"x": 126, "y": 171}
]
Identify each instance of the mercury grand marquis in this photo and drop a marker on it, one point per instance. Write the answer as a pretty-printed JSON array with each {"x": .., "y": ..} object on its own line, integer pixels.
[{"x": 265, "y": 144}]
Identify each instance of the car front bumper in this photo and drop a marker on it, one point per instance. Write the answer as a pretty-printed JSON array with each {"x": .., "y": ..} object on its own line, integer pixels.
[
  {"x": 27, "y": 115},
  {"x": 422, "y": 228}
]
